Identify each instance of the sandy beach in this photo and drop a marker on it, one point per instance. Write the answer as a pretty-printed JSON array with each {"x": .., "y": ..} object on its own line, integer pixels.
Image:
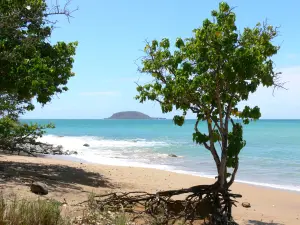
[{"x": 73, "y": 181}]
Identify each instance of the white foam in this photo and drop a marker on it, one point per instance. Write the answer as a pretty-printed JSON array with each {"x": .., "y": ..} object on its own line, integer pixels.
[
  {"x": 120, "y": 162},
  {"x": 276, "y": 186},
  {"x": 96, "y": 142},
  {"x": 109, "y": 150}
]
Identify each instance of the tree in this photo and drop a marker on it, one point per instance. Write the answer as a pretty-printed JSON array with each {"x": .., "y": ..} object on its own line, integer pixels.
[
  {"x": 14, "y": 135},
  {"x": 209, "y": 74},
  {"x": 30, "y": 65}
]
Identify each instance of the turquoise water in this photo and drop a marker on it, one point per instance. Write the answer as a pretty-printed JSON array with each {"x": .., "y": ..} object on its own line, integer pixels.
[{"x": 270, "y": 158}]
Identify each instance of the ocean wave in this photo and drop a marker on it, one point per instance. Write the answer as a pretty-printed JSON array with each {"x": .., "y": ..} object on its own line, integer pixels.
[
  {"x": 137, "y": 149},
  {"x": 75, "y": 142}
]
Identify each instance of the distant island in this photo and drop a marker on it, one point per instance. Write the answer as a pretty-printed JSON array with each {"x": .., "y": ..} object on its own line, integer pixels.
[{"x": 130, "y": 115}]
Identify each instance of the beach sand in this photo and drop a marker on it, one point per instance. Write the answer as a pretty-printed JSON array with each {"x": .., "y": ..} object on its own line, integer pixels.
[{"x": 73, "y": 181}]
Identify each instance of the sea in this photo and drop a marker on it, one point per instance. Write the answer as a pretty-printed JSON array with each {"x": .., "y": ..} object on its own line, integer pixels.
[{"x": 271, "y": 157}]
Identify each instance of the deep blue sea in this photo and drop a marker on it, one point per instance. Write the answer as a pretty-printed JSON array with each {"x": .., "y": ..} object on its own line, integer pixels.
[{"x": 271, "y": 157}]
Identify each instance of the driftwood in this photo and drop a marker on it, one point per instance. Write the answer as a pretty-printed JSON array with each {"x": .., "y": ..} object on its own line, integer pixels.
[{"x": 203, "y": 202}]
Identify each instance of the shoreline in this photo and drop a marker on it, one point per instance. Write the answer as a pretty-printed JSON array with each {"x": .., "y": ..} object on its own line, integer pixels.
[
  {"x": 74, "y": 180},
  {"x": 139, "y": 152},
  {"x": 73, "y": 158}
]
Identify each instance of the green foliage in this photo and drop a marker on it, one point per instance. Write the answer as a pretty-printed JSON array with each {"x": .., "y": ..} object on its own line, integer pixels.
[
  {"x": 236, "y": 143},
  {"x": 178, "y": 120},
  {"x": 209, "y": 74},
  {"x": 14, "y": 134},
  {"x": 200, "y": 138},
  {"x": 25, "y": 212},
  {"x": 30, "y": 67}
]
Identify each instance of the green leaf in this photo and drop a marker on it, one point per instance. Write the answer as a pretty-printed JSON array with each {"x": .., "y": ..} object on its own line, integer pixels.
[
  {"x": 178, "y": 120},
  {"x": 179, "y": 43}
]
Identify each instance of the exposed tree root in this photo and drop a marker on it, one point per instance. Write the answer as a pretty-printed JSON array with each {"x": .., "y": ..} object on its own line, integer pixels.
[{"x": 203, "y": 202}]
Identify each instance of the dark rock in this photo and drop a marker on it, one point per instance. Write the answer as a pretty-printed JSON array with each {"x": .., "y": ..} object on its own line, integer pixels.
[
  {"x": 39, "y": 188},
  {"x": 47, "y": 149},
  {"x": 173, "y": 155},
  {"x": 86, "y": 145},
  {"x": 73, "y": 153},
  {"x": 39, "y": 148},
  {"x": 58, "y": 150},
  {"x": 246, "y": 204}
]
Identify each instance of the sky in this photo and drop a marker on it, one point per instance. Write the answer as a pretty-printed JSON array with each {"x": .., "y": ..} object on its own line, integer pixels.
[{"x": 112, "y": 34}]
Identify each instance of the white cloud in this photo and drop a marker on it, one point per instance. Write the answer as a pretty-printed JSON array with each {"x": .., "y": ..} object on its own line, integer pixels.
[{"x": 100, "y": 93}]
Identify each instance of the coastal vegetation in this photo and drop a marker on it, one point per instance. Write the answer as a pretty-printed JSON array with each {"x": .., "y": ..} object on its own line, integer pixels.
[
  {"x": 209, "y": 74},
  {"x": 16, "y": 211},
  {"x": 31, "y": 67}
]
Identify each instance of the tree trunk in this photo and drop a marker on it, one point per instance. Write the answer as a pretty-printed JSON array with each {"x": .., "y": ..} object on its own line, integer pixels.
[{"x": 222, "y": 214}]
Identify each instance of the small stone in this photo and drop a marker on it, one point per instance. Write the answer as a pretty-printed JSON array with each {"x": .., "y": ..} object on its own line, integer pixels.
[
  {"x": 39, "y": 188},
  {"x": 86, "y": 145},
  {"x": 73, "y": 152},
  {"x": 246, "y": 204},
  {"x": 173, "y": 155}
]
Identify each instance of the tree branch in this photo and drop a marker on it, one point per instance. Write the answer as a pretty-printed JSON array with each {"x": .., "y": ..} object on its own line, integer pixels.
[
  {"x": 212, "y": 147},
  {"x": 56, "y": 10},
  {"x": 234, "y": 173}
]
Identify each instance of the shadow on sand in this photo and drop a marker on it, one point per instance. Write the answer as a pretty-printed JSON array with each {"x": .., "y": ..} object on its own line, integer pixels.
[
  {"x": 55, "y": 176},
  {"x": 256, "y": 222}
]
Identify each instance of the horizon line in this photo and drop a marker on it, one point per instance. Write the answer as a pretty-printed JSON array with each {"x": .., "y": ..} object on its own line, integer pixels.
[{"x": 138, "y": 119}]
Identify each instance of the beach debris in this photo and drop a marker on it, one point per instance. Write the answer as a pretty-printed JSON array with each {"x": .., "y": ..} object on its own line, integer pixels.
[
  {"x": 86, "y": 145},
  {"x": 39, "y": 188},
  {"x": 65, "y": 204},
  {"x": 173, "y": 155},
  {"x": 199, "y": 204},
  {"x": 246, "y": 204}
]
